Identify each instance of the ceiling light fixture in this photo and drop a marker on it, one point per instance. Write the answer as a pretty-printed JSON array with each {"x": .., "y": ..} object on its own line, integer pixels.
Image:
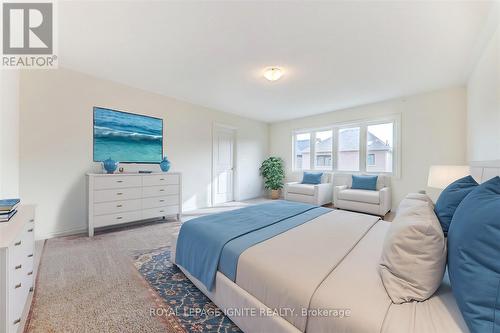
[{"x": 273, "y": 73}]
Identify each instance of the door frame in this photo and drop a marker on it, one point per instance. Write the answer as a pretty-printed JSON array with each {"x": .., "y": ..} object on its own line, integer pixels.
[{"x": 215, "y": 126}]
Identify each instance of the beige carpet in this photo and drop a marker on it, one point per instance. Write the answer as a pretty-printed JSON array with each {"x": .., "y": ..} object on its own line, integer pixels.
[{"x": 90, "y": 284}]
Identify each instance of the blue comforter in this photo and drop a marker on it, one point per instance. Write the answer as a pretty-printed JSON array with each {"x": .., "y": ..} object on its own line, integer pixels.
[{"x": 203, "y": 240}]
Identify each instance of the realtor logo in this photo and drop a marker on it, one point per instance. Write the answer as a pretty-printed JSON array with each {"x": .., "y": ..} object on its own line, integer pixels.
[{"x": 28, "y": 29}]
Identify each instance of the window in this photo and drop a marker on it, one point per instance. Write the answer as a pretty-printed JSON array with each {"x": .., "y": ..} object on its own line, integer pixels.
[
  {"x": 302, "y": 151},
  {"x": 379, "y": 147},
  {"x": 370, "y": 160},
  {"x": 348, "y": 149},
  {"x": 366, "y": 146},
  {"x": 323, "y": 150}
]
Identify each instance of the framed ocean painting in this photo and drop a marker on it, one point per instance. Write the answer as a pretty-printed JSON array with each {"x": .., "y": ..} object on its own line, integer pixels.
[{"x": 127, "y": 137}]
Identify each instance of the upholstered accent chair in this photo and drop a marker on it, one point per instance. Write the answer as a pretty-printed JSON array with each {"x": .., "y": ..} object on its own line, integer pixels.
[
  {"x": 377, "y": 202},
  {"x": 320, "y": 194}
]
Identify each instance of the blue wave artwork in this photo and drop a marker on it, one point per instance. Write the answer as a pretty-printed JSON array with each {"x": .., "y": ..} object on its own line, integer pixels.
[{"x": 126, "y": 137}]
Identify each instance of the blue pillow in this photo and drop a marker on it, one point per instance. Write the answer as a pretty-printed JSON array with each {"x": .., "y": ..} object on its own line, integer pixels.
[
  {"x": 364, "y": 182},
  {"x": 312, "y": 178},
  {"x": 450, "y": 198},
  {"x": 473, "y": 257}
]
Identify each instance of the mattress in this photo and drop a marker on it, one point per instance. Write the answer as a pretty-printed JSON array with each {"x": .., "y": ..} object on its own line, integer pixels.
[{"x": 322, "y": 276}]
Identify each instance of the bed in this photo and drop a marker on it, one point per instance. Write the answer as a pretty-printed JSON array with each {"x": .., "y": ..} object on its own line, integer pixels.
[{"x": 321, "y": 275}]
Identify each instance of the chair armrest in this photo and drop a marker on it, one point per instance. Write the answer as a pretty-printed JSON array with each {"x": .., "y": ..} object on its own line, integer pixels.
[
  {"x": 336, "y": 191},
  {"x": 385, "y": 200},
  {"x": 323, "y": 193},
  {"x": 285, "y": 189}
]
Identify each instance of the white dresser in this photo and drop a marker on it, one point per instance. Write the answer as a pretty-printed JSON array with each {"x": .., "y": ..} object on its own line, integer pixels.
[
  {"x": 16, "y": 267},
  {"x": 123, "y": 198}
]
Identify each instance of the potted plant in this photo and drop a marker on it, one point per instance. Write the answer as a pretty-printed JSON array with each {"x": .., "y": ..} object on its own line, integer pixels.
[{"x": 273, "y": 172}]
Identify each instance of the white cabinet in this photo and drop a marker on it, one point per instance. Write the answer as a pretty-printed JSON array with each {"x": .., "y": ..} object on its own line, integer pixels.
[
  {"x": 17, "y": 244},
  {"x": 123, "y": 198}
]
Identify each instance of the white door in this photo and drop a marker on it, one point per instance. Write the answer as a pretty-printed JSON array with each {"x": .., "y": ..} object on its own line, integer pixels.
[{"x": 223, "y": 164}]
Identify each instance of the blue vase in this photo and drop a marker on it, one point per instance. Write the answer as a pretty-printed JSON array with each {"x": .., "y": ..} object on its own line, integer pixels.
[
  {"x": 109, "y": 165},
  {"x": 165, "y": 164}
]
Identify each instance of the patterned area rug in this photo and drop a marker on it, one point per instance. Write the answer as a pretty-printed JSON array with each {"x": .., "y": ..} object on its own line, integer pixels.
[{"x": 183, "y": 305}]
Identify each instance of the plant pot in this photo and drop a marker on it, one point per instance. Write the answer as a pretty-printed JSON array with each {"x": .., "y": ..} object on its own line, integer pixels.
[{"x": 275, "y": 194}]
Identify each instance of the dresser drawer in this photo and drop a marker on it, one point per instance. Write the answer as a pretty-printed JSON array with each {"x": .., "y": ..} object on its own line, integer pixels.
[
  {"x": 117, "y": 194},
  {"x": 165, "y": 179},
  {"x": 159, "y": 191},
  {"x": 110, "y": 182},
  {"x": 17, "y": 300},
  {"x": 105, "y": 220},
  {"x": 160, "y": 211},
  {"x": 114, "y": 207},
  {"x": 160, "y": 201},
  {"x": 17, "y": 252}
]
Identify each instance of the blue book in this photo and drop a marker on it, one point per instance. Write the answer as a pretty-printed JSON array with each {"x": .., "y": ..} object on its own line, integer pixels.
[{"x": 8, "y": 204}]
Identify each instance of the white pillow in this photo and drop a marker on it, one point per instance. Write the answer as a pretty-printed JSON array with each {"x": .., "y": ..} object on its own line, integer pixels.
[
  {"x": 414, "y": 254},
  {"x": 413, "y": 199}
]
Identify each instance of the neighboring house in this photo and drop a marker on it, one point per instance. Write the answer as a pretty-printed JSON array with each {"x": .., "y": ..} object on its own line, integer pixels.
[{"x": 379, "y": 154}]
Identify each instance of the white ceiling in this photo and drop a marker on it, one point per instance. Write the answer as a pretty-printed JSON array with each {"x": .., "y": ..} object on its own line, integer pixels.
[{"x": 335, "y": 54}]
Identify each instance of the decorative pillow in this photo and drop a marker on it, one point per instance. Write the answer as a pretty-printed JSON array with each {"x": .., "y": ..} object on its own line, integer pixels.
[
  {"x": 411, "y": 200},
  {"x": 414, "y": 255},
  {"x": 474, "y": 257},
  {"x": 364, "y": 182},
  {"x": 312, "y": 178},
  {"x": 421, "y": 197},
  {"x": 450, "y": 198}
]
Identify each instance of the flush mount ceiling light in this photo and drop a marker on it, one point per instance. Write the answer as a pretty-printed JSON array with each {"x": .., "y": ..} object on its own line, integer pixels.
[{"x": 273, "y": 73}]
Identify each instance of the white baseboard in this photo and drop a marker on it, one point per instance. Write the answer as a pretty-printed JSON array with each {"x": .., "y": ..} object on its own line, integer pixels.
[{"x": 69, "y": 232}]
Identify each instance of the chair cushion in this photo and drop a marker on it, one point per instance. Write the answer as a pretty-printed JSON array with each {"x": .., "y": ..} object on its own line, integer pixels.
[
  {"x": 450, "y": 198},
  {"x": 364, "y": 182},
  {"x": 473, "y": 257},
  {"x": 305, "y": 189},
  {"x": 367, "y": 196},
  {"x": 313, "y": 178},
  {"x": 414, "y": 254}
]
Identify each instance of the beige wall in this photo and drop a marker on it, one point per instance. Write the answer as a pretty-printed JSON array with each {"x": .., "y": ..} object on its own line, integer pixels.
[
  {"x": 432, "y": 131},
  {"x": 56, "y": 144},
  {"x": 483, "y": 98},
  {"x": 9, "y": 133}
]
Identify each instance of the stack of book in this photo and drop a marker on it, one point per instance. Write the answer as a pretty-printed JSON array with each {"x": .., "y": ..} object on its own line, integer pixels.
[{"x": 8, "y": 209}]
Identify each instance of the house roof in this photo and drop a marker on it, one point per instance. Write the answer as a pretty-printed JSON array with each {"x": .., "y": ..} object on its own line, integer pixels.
[{"x": 349, "y": 141}]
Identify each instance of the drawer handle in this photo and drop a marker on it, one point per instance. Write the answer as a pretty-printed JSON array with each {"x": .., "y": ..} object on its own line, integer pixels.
[
  {"x": 30, "y": 255},
  {"x": 119, "y": 218},
  {"x": 32, "y": 220},
  {"x": 162, "y": 178},
  {"x": 17, "y": 286},
  {"x": 162, "y": 200},
  {"x": 30, "y": 230},
  {"x": 31, "y": 289},
  {"x": 162, "y": 190},
  {"x": 17, "y": 321},
  {"x": 161, "y": 211},
  {"x": 17, "y": 244},
  {"x": 18, "y": 267},
  {"x": 30, "y": 273},
  {"x": 119, "y": 206},
  {"x": 119, "y": 193},
  {"x": 119, "y": 181}
]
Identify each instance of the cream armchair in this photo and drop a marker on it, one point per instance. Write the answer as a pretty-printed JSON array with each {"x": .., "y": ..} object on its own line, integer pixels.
[
  {"x": 320, "y": 194},
  {"x": 377, "y": 202}
]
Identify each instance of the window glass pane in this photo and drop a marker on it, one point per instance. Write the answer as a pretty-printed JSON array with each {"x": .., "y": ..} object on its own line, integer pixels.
[
  {"x": 379, "y": 147},
  {"x": 348, "y": 151},
  {"x": 323, "y": 150},
  {"x": 302, "y": 151}
]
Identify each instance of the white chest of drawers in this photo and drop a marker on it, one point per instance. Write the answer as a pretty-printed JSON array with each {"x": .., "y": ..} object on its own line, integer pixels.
[
  {"x": 17, "y": 245},
  {"x": 122, "y": 198}
]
